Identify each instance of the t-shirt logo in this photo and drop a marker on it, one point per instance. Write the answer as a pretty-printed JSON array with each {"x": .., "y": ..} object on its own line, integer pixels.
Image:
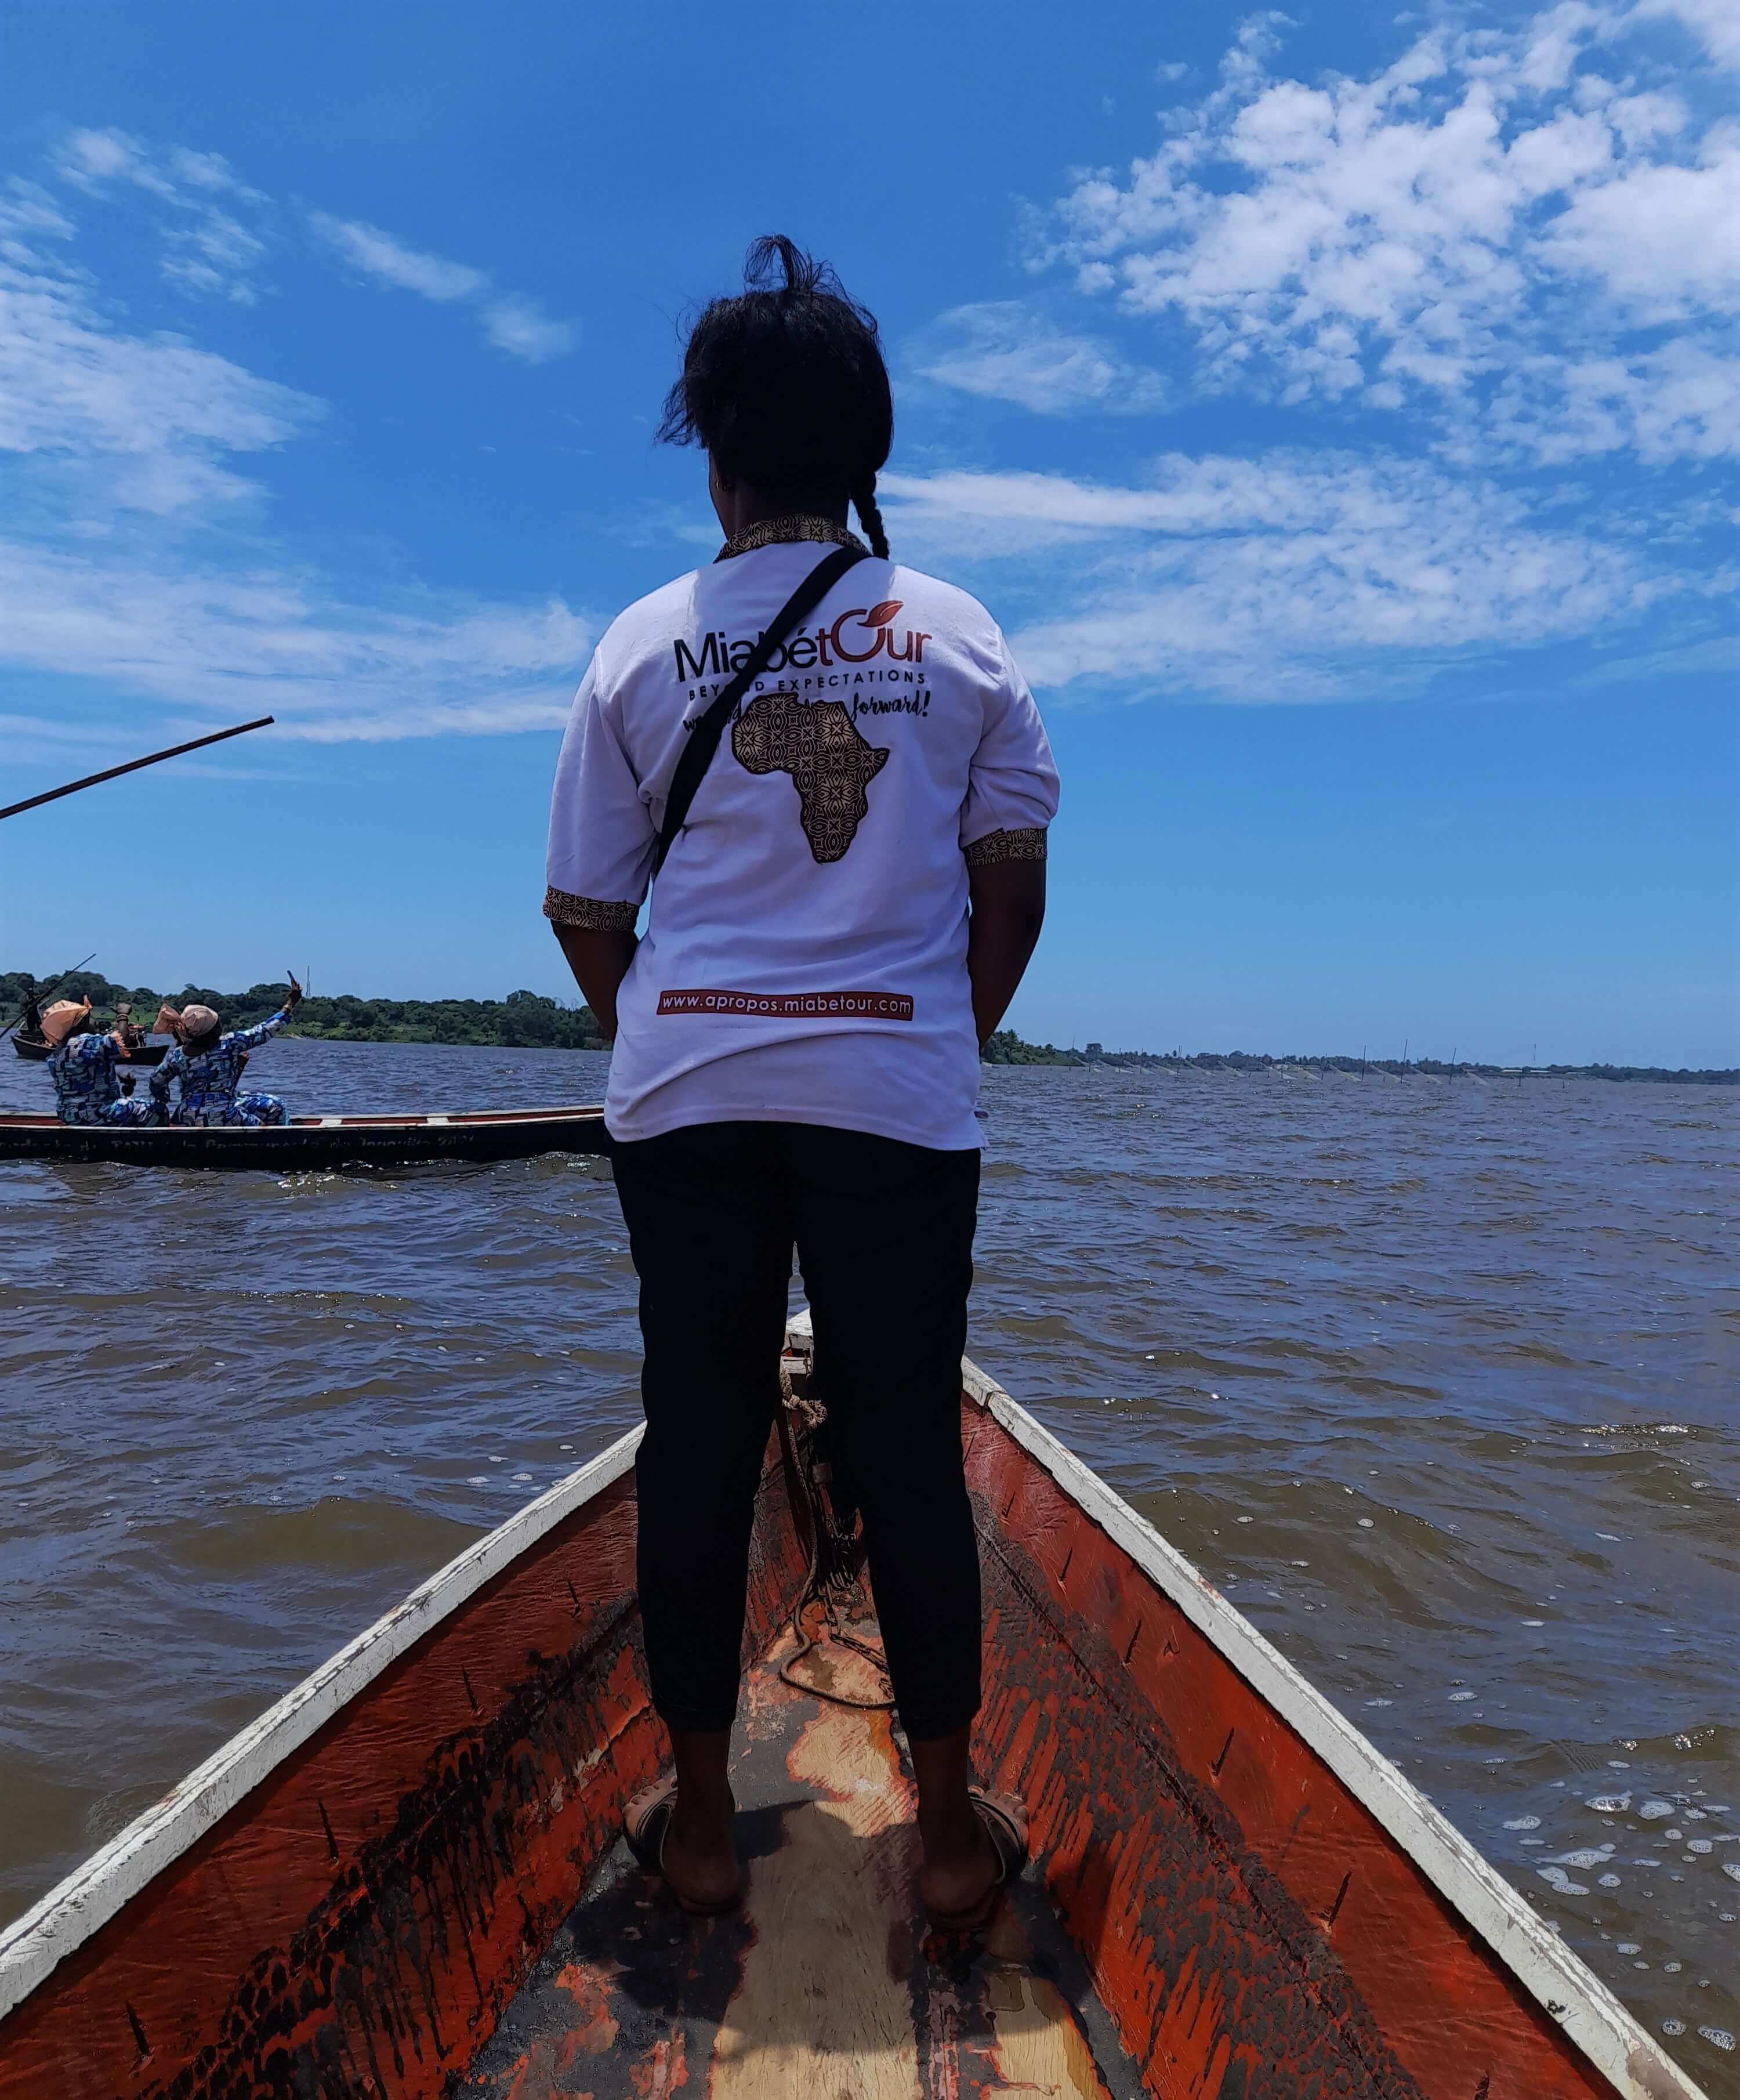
[{"x": 817, "y": 743}]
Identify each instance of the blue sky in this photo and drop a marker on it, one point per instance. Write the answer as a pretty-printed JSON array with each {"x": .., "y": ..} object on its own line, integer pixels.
[{"x": 1339, "y": 413}]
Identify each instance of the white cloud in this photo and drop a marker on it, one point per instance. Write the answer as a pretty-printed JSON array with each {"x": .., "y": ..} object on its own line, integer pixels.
[
  {"x": 521, "y": 327},
  {"x": 216, "y": 234},
  {"x": 1015, "y": 513},
  {"x": 516, "y": 324},
  {"x": 1003, "y": 351},
  {"x": 218, "y": 645},
  {"x": 1488, "y": 203},
  {"x": 1681, "y": 401},
  {"x": 1716, "y": 24},
  {"x": 92, "y": 158},
  {"x": 379, "y": 255},
  {"x": 213, "y": 255},
  {"x": 29, "y": 214},
  {"x": 1289, "y": 576},
  {"x": 1716, "y": 656},
  {"x": 156, "y": 412},
  {"x": 187, "y": 607},
  {"x": 207, "y": 249},
  {"x": 1665, "y": 240}
]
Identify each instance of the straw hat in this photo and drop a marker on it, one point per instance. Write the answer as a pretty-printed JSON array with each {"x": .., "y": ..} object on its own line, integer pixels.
[{"x": 59, "y": 1020}]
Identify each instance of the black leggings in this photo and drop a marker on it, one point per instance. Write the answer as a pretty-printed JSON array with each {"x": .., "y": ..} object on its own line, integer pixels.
[{"x": 883, "y": 1232}]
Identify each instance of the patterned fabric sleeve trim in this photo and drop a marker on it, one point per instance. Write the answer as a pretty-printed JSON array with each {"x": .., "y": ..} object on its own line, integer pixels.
[
  {"x": 996, "y": 846},
  {"x": 589, "y": 913}
]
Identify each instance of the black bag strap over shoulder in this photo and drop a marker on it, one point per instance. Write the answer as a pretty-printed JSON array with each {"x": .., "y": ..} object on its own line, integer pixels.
[{"x": 698, "y": 754}]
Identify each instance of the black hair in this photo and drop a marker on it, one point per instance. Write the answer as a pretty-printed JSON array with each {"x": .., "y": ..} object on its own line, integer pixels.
[{"x": 785, "y": 387}]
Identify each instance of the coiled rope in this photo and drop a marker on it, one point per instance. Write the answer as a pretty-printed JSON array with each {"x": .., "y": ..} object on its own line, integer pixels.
[{"x": 832, "y": 1579}]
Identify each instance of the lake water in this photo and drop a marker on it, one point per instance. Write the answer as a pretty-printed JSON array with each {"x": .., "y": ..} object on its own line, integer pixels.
[{"x": 1437, "y": 1381}]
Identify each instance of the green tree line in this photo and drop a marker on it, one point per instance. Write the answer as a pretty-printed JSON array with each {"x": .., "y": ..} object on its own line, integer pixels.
[
  {"x": 527, "y": 1021},
  {"x": 522, "y": 1020},
  {"x": 1007, "y": 1047}
]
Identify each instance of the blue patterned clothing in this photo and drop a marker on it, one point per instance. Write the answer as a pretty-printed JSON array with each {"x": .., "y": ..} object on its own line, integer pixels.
[
  {"x": 209, "y": 1080},
  {"x": 86, "y": 1089},
  {"x": 253, "y": 1109}
]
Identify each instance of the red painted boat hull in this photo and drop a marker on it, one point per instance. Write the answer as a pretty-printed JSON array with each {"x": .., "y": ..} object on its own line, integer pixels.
[{"x": 384, "y": 1870}]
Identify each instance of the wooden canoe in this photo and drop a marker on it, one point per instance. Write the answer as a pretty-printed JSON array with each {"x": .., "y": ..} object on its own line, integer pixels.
[
  {"x": 405, "y": 1881},
  {"x": 314, "y": 1142},
  {"x": 38, "y": 1049}
]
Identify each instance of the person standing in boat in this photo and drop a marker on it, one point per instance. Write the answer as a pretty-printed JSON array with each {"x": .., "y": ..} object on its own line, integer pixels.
[
  {"x": 126, "y": 1027},
  {"x": 846, "y": 911},
  {"x": 208, "y": 1065},
  {"x": 84, "y": 1064}
]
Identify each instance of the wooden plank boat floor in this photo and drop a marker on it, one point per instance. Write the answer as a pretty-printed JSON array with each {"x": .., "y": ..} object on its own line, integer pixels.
[{"x": 826, "y": 1985}]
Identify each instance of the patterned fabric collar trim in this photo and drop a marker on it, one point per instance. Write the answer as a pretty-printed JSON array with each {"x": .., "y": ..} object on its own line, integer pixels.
[{"x": 772, "y": 531}]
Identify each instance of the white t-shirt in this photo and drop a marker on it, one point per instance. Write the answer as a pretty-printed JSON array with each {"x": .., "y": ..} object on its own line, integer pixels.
[{"x": 805, "y": 955}]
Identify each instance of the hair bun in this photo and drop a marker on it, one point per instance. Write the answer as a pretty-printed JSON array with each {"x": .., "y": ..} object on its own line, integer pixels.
[
  {"x": 802, "y": 273},
  {"x": 786, "y": 386}
]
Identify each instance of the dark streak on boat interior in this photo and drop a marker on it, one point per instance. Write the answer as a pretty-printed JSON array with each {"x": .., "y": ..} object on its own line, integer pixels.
[{"x": 407, "y": 1880}]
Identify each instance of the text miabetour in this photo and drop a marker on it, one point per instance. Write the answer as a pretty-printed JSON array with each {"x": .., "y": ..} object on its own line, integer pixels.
[{"x": 857, "y": 636}]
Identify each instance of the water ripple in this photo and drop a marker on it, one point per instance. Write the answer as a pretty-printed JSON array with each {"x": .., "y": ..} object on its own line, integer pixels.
[{"x": 1435, "y": 1380}]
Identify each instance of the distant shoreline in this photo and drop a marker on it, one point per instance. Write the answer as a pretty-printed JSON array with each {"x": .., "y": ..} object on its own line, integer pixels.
[
  {"x": 1007, "y": 1047},
  {"x": 529, "y": 1021}
]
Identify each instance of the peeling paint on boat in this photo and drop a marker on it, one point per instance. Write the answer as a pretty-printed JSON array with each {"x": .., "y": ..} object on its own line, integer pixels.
[{"x": 1234, "y": 1894}]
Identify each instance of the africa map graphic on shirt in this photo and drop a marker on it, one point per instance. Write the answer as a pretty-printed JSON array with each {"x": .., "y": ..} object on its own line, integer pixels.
[{"x": 830, "y": 765}]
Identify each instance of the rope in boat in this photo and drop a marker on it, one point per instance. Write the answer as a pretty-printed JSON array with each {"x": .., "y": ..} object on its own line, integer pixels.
[{"x": 831, "y": 1578}]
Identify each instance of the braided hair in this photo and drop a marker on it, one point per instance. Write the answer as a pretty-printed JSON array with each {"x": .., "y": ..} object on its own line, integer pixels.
[
  {"x": 785, "y": 387},
  {"x": 863, "y": 502}
]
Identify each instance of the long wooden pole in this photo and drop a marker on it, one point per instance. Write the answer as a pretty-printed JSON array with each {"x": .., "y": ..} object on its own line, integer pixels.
[
  {"x": 132, "y": 765},
  {"x": 49, "y": 993}
]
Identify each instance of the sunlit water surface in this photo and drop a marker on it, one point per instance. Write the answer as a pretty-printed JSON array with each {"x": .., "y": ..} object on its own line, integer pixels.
[{"x": 1437, "y": 1381}]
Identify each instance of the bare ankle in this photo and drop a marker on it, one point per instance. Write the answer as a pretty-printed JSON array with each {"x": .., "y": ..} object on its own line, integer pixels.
[
  {"x": 947, "y": 1823},
  {"x": 950, "y": 1831},
  {"x": 704, "y": 1825}
]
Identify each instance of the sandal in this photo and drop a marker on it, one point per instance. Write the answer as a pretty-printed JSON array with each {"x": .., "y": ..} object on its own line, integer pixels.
[
  {"x": 646, "y": 1824},
  {"x": 1004, "y": 1816}
]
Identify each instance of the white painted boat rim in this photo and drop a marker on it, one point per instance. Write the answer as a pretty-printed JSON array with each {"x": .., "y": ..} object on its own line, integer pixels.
[
  {"x": 411, "y": 1119},
  {"x": 33, "y": 1945},
  {"x": 1579, "y": 2003},
  {"x": 1582, "y": 2005}
]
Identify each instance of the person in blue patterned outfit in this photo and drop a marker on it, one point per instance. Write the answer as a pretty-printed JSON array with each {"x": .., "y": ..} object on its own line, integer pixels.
[
  {"x": 208, "y": 1065},
  {"x": 82, "y": 1066}
]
